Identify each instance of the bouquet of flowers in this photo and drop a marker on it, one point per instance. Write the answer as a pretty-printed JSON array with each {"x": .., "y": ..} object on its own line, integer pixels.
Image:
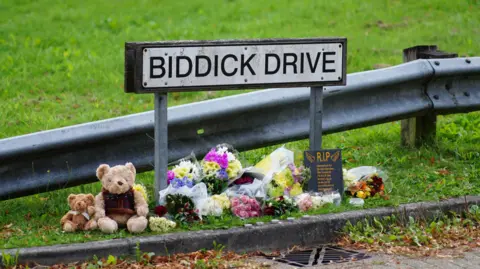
[
  {"x": 365, "y": 181},
  {"x": 214, "y": 205},
  {"x": 307, "y": 201},
  {"x": 185, "y": 172},
  {"x": 219, "y": 166},
  {"x": 245, "y": 207},
  {"x": 161, "y": 224},
  {"x": 183, "y": 180},
  {"x": 279, "y": 206},
  {"x": 304, "y": 202},
  {"x": 290, "y": 181},
  {"x": 181, "y": 208}
]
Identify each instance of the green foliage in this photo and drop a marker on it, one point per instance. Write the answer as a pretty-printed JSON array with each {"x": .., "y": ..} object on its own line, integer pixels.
[
  {"x": 8, "y": 260},
  {"x": 409, "y": 231}
]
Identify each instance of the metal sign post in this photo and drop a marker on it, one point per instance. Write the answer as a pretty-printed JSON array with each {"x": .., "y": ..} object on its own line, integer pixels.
[
  {"x": 162, "y": 67},
  {"x": 316, "y": 113},
  {"x": 161, "y": 141}
]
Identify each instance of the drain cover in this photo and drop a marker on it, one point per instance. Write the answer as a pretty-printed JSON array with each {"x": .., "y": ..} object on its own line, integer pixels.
[{"x": 320, "y": 255}]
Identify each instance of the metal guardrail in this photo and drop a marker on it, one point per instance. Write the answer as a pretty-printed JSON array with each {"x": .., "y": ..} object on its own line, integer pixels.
[{"x": 69, "y": 156}]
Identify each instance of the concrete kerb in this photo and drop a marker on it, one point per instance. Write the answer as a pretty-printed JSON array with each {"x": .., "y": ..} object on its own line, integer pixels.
[{"x": 314, "y": 230}]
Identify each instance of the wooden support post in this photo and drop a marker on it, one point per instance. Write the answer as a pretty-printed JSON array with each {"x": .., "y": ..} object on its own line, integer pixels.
[{"x": 421, "y": 130}]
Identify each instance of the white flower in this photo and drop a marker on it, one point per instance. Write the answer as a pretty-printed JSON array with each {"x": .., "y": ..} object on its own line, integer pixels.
[
  {"x": 195, "y": 171},
  {"x": 161, "y": 225},
  {"x": 222, "y": 150},
  {"x": 231, "y": 157},
  {"x": 211, "y": 207}
]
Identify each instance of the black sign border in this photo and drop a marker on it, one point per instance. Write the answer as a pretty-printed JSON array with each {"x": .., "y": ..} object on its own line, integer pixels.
[{"x": 134, "y": 68}]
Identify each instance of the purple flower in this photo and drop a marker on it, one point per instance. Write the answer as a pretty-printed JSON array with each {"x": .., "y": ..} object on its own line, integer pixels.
[
  {"x": 222, "y": 160},
  {"x": 222, "y": 174},
  {"x": 170, "y": 176},
  {"x": 211, "y": 156},
  {"x": 188, "y": 182},
  {"x": 177, "y": 183}
]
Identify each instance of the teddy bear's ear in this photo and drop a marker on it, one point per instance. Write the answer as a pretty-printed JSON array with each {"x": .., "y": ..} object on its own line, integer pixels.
[
  {"x": 91, "y": 198},
  {"x": 131, "y": 167},
  {"x": 71, "y": 197},
  {"x": 102, "y": 170}
]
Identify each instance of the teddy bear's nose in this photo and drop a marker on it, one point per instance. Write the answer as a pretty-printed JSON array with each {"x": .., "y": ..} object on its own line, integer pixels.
[{"x": 120, "y": 183}]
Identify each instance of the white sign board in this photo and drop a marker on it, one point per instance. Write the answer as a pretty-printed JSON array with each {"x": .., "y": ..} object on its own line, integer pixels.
[{"x": 177, "y": 66}]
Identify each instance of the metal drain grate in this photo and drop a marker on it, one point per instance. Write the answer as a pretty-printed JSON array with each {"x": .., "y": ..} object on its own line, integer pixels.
[{"x": 321, "y": 255}]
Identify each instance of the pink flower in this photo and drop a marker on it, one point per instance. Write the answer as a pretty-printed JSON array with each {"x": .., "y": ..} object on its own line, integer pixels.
[
  {"x": 243, "y": 214},
  {"x": 236, "y": 211},
  {"x": 254, "y": 214},
  {"x": 244, "y": 199},
  {"x": 305, "y": 203},
  {"x": 235, "y": 202}
]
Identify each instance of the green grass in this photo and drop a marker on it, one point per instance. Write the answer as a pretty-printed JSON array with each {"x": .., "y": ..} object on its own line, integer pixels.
[{"x": 61, "y": 63}]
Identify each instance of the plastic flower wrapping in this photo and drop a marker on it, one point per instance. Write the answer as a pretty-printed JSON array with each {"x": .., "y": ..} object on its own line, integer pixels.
[
  {"x": 366, "y": 181},
  {"x": 245, "y": 207},
  {"x": 161, "y": 224},
  {"x": 219, "y": 166},
  {"x": 214, "y": 205},
  {"x": 183, "y": 179},
  {"x": 279, "y": 206}
]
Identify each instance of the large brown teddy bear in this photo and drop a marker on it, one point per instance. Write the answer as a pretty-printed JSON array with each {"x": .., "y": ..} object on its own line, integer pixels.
[
  {"x": 80, "y": 217},
  {"x": 119, "y": 204}
]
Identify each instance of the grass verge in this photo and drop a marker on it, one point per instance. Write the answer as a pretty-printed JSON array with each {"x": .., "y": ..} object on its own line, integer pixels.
[
  {"x": 447, "y": 169},
  {"x": 448, "y": 235}
]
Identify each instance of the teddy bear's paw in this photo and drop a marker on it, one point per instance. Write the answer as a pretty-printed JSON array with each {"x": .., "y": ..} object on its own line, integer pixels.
[
  {"x": 137, "y": 224},
  {"x": 91, "y": 225},
  {"x": 107, "y": 225},
  {"x": 142, "y": 211},
  {"x": 69, "y": 226}
]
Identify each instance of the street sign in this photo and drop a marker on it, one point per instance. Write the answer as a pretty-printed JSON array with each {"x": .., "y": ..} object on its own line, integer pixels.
[
  {"x": 173, "y": 66},
  {"x": 214, "y": 65}
]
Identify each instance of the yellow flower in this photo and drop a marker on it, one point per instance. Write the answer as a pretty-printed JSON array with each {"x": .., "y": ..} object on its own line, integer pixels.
[
  {"x": 161, "y": 224},
  {"x": 180, "y": 172},
  {"x": 210, "y": 167},
  {"x": 283, "y": 178},
  {"x": 222, "y": 200},
  {"x": 275, "y": 191},
  {"x": 296, "y": 190},
  {"x": 361, "y": 194},
  {"x": 233, "y": 168},
  {"x": 141, "y": 189}
]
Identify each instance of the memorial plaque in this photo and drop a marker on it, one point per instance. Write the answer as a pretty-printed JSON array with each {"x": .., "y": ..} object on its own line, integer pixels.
[{"x": 326, "y": 168}]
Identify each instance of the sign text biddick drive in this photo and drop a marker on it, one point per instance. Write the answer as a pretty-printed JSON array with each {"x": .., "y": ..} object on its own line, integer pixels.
[{"x": 190, "y": 65}]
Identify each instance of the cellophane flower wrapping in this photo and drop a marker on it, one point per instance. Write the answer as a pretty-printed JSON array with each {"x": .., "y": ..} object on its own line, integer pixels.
[
  {"x": 366, "y": 181},
  {"x": 214, "y": 205},
  {"x": 279, "y": 206},
  {"x": 219, "y": 166},
  {"x": 249, "y": 183},
  {"x": 319, "y": 200},
  {"x": 245, "y": 207},
  {"x": 161, "y": 224}
]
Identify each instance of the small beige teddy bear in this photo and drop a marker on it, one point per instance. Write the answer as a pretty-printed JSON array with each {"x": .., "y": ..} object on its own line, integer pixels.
[
  {"x": 80, "y": 215},
  {"x": 118, "y": 203}
]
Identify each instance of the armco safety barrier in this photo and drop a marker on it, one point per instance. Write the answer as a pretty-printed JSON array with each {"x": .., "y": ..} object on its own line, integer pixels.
[{"x": 69, "y": 156}]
